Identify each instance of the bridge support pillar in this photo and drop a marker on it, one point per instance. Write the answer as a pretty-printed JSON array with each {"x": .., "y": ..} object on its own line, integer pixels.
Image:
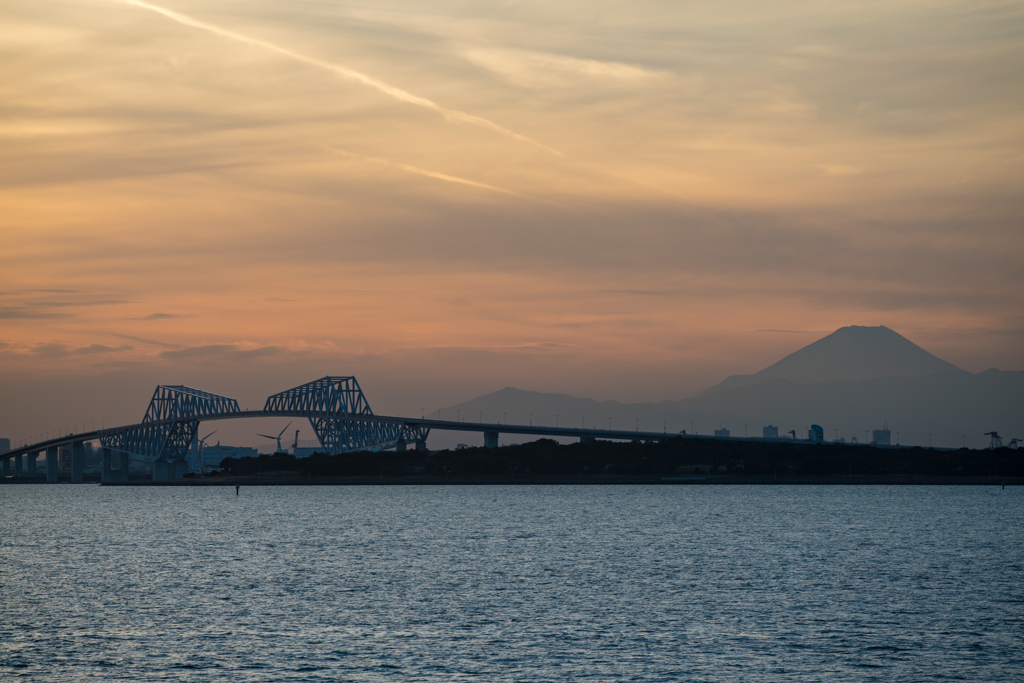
[
  {"x": 586, "y": 439},
  {"x": 32, "y": 457},
  {"x": 400, "y": 446},
  {"x": 421, "y": 445},
  {"x": 18, "y": 471},
  {"x": 125, "y": 465},
  {"x": 106, "y": 476},
  {"x": 52, "y": 457},
  {"x": 7, "y": 467},
  {"x": 491, "y": 439},
  {"x": 160, "y": 470},
  {"x": 176, "y": 469},
  {"x": 77, "y": 462}
]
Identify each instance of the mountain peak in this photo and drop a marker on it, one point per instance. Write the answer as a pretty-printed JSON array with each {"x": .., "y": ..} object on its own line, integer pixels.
[{"x": 851, "y": 353}]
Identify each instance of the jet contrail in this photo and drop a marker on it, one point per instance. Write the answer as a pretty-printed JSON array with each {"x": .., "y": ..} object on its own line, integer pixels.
[
  {"x": 429, "y": 174},
  {"x": 397, "y": 93}
]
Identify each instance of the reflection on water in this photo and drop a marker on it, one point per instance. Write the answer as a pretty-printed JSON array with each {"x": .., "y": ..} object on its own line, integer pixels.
[{"x": 523, "y": 583}]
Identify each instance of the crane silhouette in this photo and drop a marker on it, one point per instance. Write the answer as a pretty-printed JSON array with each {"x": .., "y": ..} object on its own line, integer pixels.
[
  {"x": 996, "y": 442},
  {"x": 278, "y": 437},
  {"x": 202, "y": 444}
]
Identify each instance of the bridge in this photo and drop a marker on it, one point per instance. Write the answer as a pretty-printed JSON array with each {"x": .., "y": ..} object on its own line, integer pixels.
[{"x": 335, "y": 406}]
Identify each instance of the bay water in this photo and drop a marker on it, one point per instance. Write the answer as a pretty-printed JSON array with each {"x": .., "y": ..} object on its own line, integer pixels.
[{"x": 512, "y": 583}]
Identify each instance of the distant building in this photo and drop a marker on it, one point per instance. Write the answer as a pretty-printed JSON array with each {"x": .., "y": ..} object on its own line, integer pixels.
[
  {"x": 770, "y": 432},
  {"x": 5, "y": 445},
  {"x": 881, "y": 437},
  {"x": 816, "y": 434},
  {"x": 93, "y": 456},
  {"x": 722, "y": 432}
]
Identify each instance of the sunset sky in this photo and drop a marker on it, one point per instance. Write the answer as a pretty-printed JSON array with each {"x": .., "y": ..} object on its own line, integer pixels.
[{"x": 619, "y": 200}]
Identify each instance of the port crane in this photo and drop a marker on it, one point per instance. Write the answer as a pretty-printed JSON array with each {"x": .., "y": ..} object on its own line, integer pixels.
[
  {"x": 996, "y": 442},
  {"x": 202, "y": 445}
]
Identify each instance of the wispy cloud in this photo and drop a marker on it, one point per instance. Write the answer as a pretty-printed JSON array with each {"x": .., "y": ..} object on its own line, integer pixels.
[
  {"x": 57, "y": 350},
  {"x": 28, "y": 313},
  {"x": 225, "y": 351},
  {"x": 399, "y": 94},
  {"x": 19, "y": 292},
  {"x": 544, "y": 69},
  {"x": 427, "y": 173},
  {"x": 635, "y": 292},
  {"x": 143, "y": 340}
]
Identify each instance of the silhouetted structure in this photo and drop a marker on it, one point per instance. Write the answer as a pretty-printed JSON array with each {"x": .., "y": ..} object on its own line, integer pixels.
[{"x": 881, "y": 436}]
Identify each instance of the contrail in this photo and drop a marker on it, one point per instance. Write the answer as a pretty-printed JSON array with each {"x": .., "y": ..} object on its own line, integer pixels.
[
  {"x": 429, "y": 174},
  {"x": 386, "y": 88}
]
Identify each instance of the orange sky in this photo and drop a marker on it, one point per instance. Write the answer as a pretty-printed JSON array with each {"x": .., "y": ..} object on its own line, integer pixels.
[{"x": 609, "y": 199}]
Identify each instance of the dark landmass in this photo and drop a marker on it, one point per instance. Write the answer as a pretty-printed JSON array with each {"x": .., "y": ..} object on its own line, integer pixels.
[{"x": 672, "y": 461}]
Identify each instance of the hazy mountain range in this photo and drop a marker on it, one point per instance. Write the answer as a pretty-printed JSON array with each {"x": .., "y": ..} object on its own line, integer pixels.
[{"x": 855, "y": 379}]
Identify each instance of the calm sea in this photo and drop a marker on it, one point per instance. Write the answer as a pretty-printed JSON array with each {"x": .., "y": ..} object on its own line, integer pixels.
[{"x": 571, "y": 583}]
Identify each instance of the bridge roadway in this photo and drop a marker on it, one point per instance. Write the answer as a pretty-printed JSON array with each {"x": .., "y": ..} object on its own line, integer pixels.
[{"x": 491, "y": 432}]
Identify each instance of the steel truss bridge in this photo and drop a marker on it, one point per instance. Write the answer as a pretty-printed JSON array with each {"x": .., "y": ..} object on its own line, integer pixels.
[{"x": 335, "y": 406}]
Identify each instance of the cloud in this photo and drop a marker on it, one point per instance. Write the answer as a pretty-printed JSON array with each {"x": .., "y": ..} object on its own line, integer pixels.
[
  {"x": 222, "y": 351},
  {"x": 401, "y": 95},
  {"x": 51, "y": 350},
  {"x": 99, "y": 348},
  {"x": 430, "y": 174},
  {"x": 28, "y": 313},
  {"x": 58, "y": 350},
  {"x": 544, "y": 69},
  {"x": 159, "y": 316},
  {"x": 18, "y": 292},
  {"x": 635, "y": 292},
  {"x": 37, "y": 310},
  {"x": 143, "y": 340}
]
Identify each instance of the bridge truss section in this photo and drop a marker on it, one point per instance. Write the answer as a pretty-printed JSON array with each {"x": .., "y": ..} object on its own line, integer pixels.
[
  {"x": 339, "y": 414},
  {"x": 170, "y": 424}
]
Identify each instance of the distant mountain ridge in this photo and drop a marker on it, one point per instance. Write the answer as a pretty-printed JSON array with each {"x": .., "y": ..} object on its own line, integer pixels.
[
  {"x": 850, "y": 353},
  {"x": 853, "y": 380}
]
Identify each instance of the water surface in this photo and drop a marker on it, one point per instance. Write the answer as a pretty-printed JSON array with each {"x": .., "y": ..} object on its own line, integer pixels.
[{"x": 528, "y": 583}]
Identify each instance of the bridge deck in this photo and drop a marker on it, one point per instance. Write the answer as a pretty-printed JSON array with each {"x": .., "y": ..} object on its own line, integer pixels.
[{"x": 448, "y": 425}]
